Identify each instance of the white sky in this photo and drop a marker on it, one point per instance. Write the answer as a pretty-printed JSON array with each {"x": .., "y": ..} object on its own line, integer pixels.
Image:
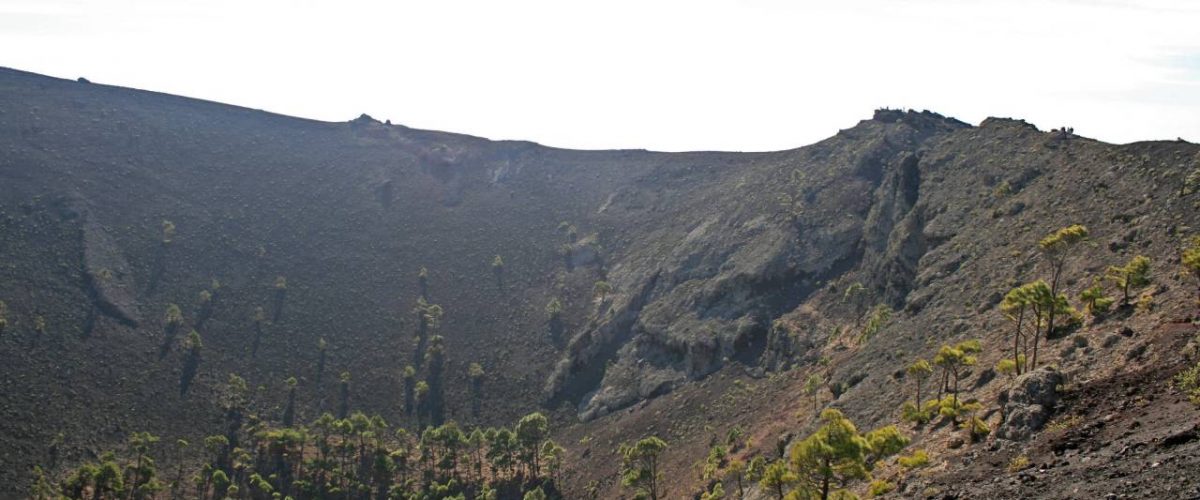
[{"x": 668, "y": 75}]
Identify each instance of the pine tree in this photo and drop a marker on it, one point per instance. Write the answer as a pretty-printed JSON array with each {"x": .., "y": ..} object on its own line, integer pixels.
[
  {"x": 640, "y": 466},
  {"x": 777, "y": 478},
  {"x": 836, "y": 453},
  {"x": 191, "y": 363},
  {"x": 1134, "y": 274},
  {"x": 423, "y": 282},
  {"x": 168, "y": 232},
  {"x": 953, "y": 360},
  {"x": 410, "y": 386},
  {"x": 812, "y": 388},
  {"x": 173, "y": 316},
  {"x": 737, "y": 472},
  {"x": 1056, "y": 247},
  {"x": 531, "y": 430},
  {"x": 289, "y": 411},
  {"x": 920, "y": 370},
  {"x": 600, "y": 290},
  {"x": 322, "y": 346},
  {"x": 475, "y": 375},
  {"x": 344, "y": 407},
  {"x": 1093, "y": 299},
  {"x": 855, "y": 297},
  {"x": 1015, "y": 305}
]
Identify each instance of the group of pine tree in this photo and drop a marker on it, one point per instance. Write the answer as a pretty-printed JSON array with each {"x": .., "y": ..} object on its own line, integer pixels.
[
  {"x": 827, "y": 463},
  {"x": 354, "y": 456},
  {"x": 347, "y": 455}
]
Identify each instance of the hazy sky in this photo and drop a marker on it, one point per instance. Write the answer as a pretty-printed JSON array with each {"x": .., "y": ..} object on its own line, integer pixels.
[{"x": 668, "y": 75}]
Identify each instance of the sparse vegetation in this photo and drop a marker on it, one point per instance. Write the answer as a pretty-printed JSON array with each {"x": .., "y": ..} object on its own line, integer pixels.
[{"x": 701, "y": 281}]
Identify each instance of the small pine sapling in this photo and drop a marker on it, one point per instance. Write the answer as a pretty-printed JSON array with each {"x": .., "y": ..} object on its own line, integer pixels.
[
  {"x": 1133, "y": 275},
  {"x": 1093, "y": 299}
]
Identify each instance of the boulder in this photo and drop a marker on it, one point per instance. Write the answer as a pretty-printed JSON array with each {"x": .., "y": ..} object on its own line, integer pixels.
[{"x": 1029, "y": 403}]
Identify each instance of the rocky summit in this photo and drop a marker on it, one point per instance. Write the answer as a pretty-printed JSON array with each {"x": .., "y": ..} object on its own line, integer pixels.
[{"x": 999, "y": 311}]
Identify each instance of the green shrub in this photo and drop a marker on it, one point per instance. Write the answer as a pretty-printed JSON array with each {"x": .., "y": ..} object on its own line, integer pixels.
[
  {"x": 880, "y": 487},
  {"x": 1188, "y": 381},
  {"x": 918, "y": 459},
  {"x": 1018, "y": 463}
]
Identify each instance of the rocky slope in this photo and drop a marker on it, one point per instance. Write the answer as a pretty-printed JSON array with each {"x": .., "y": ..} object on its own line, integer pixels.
[{"x": 727, "y": 270}]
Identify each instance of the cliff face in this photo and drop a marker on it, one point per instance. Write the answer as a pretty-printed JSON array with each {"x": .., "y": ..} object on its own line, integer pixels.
[
  {"x": 708, "y": 274},
  {"x": 717, "y": 261}
]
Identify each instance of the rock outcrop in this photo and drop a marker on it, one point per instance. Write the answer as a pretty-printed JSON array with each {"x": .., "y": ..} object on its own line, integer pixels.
[{"x": 1030, "y": 403}]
